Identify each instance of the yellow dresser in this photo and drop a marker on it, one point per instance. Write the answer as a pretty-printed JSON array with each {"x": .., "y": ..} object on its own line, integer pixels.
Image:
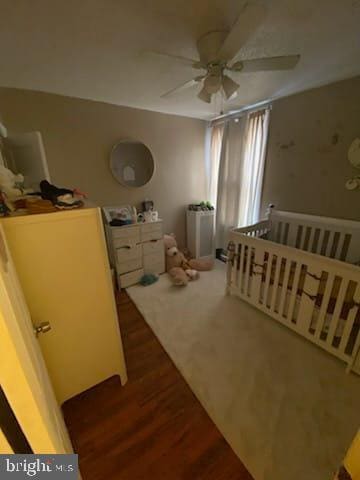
[{"x": 62, "y": 264}]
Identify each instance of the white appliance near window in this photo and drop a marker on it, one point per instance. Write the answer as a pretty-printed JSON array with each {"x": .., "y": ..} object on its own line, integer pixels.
[
  {"x": 134, "y": 249},
  {"x": 200, "y": 227}
]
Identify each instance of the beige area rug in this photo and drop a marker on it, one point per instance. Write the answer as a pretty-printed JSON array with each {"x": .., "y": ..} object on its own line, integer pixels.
[{"x": 286, "y": 407}]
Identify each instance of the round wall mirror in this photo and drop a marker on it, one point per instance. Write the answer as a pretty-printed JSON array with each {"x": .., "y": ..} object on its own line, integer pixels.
[{"x": 131, "y": 163}]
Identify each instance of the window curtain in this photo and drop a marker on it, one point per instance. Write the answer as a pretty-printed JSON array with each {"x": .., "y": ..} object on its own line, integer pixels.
[
  {"x": 253, "y": 167},
  {"x": 237, "y": 159},
  {"x": 214, "y": 142}
]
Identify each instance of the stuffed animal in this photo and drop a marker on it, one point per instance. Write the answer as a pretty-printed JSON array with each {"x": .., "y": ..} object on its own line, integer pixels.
[
  {"x": 178, "y": 267},
  {"x": 9, "y": 183}
]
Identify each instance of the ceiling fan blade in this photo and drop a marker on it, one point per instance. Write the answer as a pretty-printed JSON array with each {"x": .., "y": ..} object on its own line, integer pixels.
[
  {"x": 262, "y": 64},
  {"x": 204, "y": 95},
  {"x": 212, "y": 83},
  {"x": 251, "y": 16},
  {"x": 183, "y": 86},
  {"x": 177, "y": 58},
  {"x": 209, "y": 44}
]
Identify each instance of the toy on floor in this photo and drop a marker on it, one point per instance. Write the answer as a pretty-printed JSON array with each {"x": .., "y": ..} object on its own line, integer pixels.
[
  {"x": 178, "y": 267},
  {"x": 148, "y": 279}
]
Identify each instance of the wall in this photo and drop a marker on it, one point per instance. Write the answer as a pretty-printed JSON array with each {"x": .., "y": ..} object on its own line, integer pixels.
[
  {"x": 78, "y": 137},
  {"x": 307, "y": 166}
]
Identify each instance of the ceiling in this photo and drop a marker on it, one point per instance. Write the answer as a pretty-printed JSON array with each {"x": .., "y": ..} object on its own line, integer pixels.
[{"x": 94, "y": 49}]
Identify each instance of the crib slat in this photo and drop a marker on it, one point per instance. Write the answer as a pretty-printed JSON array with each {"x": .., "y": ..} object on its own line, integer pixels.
[
  {"x": 300, "y": 236},
  {"x": 276, "y": 282},
  {"x": 284, "y": 286},
  {"x": 345, "y": 246},
  {"x": 349, "y": 322},
  {"x": 324, "y": 305},
  {"x": 330, "y": 244},
  {"x": 320, "y": 241},
  {"x": 339, "y": 246},
  {"x": 235, "y": 270},
  {"x": 286, "y": 233},
  {"x": 293, "y": 294},
  {"x": 257, "y": 275},
  {"x": 267, "y": 277},
  {"x": 241, "y": 267},
  {"x": 292, "y": 232},
  {"x": 307, "y": 305},
  {"x": 311, "y": 239},
  {"x": 279, "y": 232},
  {"x": 247, "y": 270},
  {"x": 337, "y": 311}
]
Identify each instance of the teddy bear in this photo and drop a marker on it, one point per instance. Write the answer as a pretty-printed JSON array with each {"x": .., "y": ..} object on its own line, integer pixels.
[
  {"x": 178, "y": 267},
  {"x": 9, "y": 183}
]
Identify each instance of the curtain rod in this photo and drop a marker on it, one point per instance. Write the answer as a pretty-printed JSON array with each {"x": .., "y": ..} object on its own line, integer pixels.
[{"x": 240, "y": 113}]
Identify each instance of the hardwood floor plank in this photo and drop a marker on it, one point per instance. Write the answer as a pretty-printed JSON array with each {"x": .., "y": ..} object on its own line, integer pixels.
[{"x": 154, "y": 428}]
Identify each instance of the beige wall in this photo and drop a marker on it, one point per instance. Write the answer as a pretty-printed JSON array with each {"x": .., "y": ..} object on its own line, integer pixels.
[
  {"x": 78, "y": 136},
  {"x": 307, "y": 164}
]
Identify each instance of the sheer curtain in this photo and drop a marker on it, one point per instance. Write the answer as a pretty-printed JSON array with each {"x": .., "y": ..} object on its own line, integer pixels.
[
  {"x": 253, "y": 167},
  {"x": 237, "y": 160},
  {"x": 213, "y": 151}
]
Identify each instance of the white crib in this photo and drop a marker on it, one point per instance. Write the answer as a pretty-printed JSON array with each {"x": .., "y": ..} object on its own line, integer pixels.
[{"x": 300, "y": 270}]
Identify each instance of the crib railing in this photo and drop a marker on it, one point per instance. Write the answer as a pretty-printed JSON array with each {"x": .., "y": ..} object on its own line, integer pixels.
[
  {"x": 259, "y": 229},
  {"x": 330, "y": 237},
  {"x": 315, "y": 296}
]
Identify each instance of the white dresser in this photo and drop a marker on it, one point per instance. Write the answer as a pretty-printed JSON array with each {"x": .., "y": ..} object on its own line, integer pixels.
[{"x": 136, "y": 249}]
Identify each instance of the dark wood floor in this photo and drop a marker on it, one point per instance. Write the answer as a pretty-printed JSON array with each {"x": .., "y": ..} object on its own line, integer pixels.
[{"x": 153, "y": 428}]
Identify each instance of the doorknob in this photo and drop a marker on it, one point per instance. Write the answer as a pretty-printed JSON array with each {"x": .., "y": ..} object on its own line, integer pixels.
[{"x": 43, "y": 327}]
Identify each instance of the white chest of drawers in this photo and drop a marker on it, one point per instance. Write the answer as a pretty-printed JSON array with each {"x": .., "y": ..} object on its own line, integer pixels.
[{"x": 135, "y": 250}]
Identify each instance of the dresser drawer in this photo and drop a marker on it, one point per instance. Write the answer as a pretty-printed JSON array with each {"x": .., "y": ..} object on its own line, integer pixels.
[
  {"x": 154, "y": 263},
  {"x": 150, "y": 226},
  {"x": 155, "y": 246},
  {"x": 151, "y": 231},
  {"x": 155, "y": 268},
  {"x": 125, "y": 254},
  {"x": 130, "y": 278},
  {"x": 153, "y": 235},
  {"x": 129, "y": 266},
  {"x": 125, "y": 236}
]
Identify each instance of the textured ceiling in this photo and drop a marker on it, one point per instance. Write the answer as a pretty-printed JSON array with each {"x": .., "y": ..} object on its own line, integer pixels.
[{"x": 94, "y": 48}]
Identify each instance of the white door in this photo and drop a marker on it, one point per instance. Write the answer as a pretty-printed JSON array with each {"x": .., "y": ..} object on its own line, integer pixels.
[{"x": 23, "y": 375}]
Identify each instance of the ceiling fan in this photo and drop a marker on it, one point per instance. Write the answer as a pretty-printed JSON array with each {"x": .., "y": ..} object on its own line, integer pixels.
[{"x": 217, "y": 49}]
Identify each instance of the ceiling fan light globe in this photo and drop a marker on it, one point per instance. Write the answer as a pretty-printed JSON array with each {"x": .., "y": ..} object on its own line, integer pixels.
[
  {"x": 212, "y": 83},
  {"x": 229, "y": 86}
]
